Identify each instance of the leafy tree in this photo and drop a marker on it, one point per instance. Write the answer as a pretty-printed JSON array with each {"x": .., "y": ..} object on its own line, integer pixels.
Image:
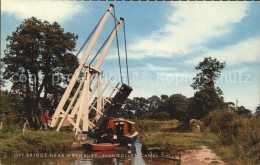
[
  {"x": 164, "y": 98},
  {"x": 2, "y": 82},
  {"x": 163, "y": 104},
  {"x": 36, "y": 52},
  {"x": 177, "y": 107},
  {"x": 210, "y": 71},
  {"x": 257, "y": 111},
  {"x": 18, "y": 105},
  {"x": 141, "y": 107},
  {"x": 125, "y": 114},
  {"x": 207, "y": 97},
  {"x": 127, "y": 110},
  {"x": 7, "y": 113},
  {"x": 229, "y": 105},
  {"x": 203, "y": 103},
  {"x": 154, "y": 104},
  {"x": 242, "y": 111}
]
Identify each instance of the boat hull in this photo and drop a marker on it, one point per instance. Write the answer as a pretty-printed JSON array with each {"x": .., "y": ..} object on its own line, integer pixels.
[
  {"x": 103, "y": 146},
  {"x": 125, "y": 141}
]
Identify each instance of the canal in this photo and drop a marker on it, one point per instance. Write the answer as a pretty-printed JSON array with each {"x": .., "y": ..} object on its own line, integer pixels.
[{"x": 120, "y": 156}]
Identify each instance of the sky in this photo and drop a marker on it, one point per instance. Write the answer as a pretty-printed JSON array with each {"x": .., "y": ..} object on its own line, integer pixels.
[{"x": 165, "y": 41}]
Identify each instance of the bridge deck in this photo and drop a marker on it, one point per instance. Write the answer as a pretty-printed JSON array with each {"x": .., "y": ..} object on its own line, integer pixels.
[{"x": 110, "y": 109}]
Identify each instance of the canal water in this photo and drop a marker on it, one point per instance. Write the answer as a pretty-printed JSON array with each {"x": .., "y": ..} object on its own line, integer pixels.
[{"x": 120, "y": 156}]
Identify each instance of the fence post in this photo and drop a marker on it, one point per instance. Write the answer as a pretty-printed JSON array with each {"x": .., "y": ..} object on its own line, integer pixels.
[{"x": 24, "y": 126}]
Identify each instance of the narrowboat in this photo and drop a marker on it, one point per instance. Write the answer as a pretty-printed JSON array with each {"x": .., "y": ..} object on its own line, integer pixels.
[
  {"x": 124, "y": 132},
  {"x": 120, "y": 133}
]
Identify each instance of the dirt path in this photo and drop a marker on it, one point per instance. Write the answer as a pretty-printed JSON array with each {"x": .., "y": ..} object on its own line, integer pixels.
[{"x": 200, "y": 157}]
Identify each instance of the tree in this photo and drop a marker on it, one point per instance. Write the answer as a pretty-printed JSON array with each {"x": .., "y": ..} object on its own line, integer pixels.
[
  {"x": 177, "y": 107},
  {"x": 18, "y": 105},
  {"x": 38, "y": 51},
  {"x": 207, "y": 97},
  {"x": 127, "y": 110},
  {"x": 203, "y": 103},
  {"x": 2, "y": 82},
  {"x": 141, "y": 107},
  {"x": 164, "y": 98},
  {"x": 257, "y": 111},
  {"x": 242, "y": 111},
  {"x": 210, "y": 71},
  {"x": 229, "y": 105},
  {"x": 7, "y": 113},
  {"x": 163, "y": 104},
  {"x": 154, "y": 104}
]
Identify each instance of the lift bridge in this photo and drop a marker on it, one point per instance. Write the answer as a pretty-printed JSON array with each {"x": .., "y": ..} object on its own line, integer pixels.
[{"x": 75, "y": 105}]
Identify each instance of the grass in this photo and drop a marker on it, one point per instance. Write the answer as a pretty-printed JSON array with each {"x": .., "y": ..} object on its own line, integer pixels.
[
  {"x": 143, "y": 126},
  {"x": 175, "y": 143},
  {"x": 13, "y": 141},
  {"x": 238, "y": 137},
  {"x": 232, "y": 154}
]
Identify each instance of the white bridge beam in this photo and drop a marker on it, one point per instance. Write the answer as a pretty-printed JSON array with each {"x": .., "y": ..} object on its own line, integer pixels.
[{"x": 78, "y": 110}]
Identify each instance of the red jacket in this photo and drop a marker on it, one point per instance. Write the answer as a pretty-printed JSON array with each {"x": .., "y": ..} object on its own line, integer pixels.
[
  {"x": 111, "y": 124},
  {"x": 45, "y": 118}
]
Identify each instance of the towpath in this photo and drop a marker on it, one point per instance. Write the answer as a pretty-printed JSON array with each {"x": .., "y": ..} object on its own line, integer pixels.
[{"x": 200, "y": 157}]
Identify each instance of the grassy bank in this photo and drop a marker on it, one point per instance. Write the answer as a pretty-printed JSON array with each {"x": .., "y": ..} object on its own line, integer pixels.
[
  {"x": 235, "y": 139},
  {"x": 166, "y": 136},
  {"x": 13, "y": 141},
  {"x": 174, "y": 143}
]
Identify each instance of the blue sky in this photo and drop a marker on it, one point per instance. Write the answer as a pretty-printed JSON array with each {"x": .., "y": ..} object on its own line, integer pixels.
[{"x": 165, "y": 41}]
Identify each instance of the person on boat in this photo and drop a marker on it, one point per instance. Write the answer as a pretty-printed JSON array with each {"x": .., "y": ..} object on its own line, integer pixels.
[
  {"x": 111, "y": 125},
  {"x": 45, "y": 118},
  {"x": 109, "y": 136}
]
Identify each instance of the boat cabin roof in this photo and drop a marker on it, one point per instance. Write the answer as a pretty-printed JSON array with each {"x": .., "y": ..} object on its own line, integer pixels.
[{"x": 123, "y": 120}]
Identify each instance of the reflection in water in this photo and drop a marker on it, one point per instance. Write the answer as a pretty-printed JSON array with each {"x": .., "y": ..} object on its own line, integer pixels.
[{"x": 120, "y": 156}]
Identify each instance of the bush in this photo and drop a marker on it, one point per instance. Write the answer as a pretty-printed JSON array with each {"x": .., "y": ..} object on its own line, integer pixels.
[
  {"x": 248, "y": 139},
  {"x": 194, "y": 123},
  {"x": 222, "y": 122},
  {"x": 236, "y": 133},
  {"x": 163, "y": 116}
]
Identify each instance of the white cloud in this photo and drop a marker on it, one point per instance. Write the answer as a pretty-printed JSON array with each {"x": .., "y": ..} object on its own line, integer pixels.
[
  {"x": 176, "y": 78},
  {"x": 159, "y": 68},
  {"x": 186, "y": 75},
  {"x": 189, "y": 27},
  {"x": 47, "y": 10},
  {"x": 155, "y": 68},
  {"x": 245, "y": 51}
]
